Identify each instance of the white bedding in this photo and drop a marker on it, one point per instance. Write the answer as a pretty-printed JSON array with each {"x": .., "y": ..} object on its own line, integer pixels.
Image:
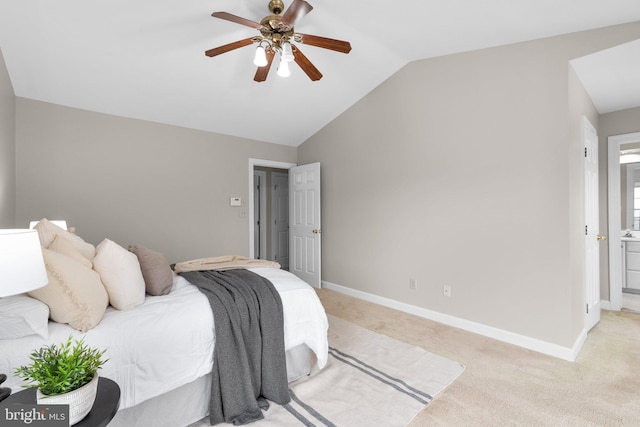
[{"x": 168, "y": 341}]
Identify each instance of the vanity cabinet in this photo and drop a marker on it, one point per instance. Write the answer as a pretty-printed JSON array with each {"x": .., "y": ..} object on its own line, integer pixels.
[{"x": 632, "y": 265}]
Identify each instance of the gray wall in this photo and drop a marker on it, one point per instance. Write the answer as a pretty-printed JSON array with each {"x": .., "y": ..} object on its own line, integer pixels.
[
  {"x": 463, "y": 171},
  {"x": 7, "y": 149},
  {"x": 135, "y": 182},
  {"x": 616, "y": 123}
]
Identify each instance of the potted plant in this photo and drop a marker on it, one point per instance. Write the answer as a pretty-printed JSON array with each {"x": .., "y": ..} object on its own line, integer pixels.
[{"x": 65, "y": 374}]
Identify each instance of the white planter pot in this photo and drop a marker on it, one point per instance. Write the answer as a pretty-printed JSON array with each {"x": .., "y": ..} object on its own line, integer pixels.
[{"x": 80, "y": 400}]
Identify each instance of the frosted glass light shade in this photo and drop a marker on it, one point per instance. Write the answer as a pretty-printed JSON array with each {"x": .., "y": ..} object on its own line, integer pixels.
[
  {"x": 261, "y": 57},
  {"x": 21, "y": 263},
  {"x": 287, "y": 52},
  {"x": 283, "y": 68}
]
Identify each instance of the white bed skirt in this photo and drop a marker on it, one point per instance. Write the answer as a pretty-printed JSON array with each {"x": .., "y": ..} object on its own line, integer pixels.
[{"x": 190, "y": 403}]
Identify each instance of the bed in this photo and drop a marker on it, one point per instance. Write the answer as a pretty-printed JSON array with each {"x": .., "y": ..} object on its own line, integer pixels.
[{"x": 160, "y": 351}]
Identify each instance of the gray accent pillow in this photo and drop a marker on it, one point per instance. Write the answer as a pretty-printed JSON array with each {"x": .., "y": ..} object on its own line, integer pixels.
[{"x": 157, "y": 274}]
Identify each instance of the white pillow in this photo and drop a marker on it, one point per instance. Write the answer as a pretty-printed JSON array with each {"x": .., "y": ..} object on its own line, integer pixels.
[
  {"x": 120, "y": 272},
  {"x": 21, "y": 316},
  {"x": 48, "y": 231}
]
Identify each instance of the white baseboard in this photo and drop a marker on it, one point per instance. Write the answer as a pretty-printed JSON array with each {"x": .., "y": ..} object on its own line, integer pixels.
[
  {"x": 605, "y": 305},
  {"x": 555, "y": 350}
]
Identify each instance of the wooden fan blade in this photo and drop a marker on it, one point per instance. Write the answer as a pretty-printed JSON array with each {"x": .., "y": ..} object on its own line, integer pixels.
[
  {"x": 306, "y": 65},
  {"x": 237, "y": 19},
  {"x": 261, "y": 74},
  {"x": 333, "y": 44},
  {"x": 296, "y": 10},
  {"x": 227, "y": 47}
]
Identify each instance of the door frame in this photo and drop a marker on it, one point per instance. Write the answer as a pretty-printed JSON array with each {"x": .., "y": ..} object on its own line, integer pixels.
[
  {"x": 262, "y": 195},
  {"x": 266, "y": 164},
  {"x": 614, "y": 214}
]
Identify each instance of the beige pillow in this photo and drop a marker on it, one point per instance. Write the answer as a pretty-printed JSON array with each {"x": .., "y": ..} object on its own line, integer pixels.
[
  {"x": 48, "y": 231},
  {"x": 75, "y": 294},
  {"x": 65, "y": 247},
  {"x": 158, "y": 276},
  {"x": 120, "y": 273}
]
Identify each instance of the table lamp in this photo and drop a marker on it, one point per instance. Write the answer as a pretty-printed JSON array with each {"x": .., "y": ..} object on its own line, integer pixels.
[
  {"x": 21, "y": 269},
  {"x": 59, "y": 222}
]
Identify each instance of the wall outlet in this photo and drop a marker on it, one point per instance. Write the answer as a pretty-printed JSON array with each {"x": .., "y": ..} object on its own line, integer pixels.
[
  {"x": 243, "y": 213},
  {"x": 446, "y": 290},
  {"x": 413, "y": 284}
]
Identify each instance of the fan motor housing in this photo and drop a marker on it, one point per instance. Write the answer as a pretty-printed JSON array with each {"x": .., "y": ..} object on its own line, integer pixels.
[{"x": 274, "y": 30}]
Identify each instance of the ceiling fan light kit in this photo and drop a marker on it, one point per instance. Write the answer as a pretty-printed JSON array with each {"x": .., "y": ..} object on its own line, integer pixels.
[
  {"x": 261, "y": 57},
  {"x": 283, "y": 69},
  {"x": 277, "y": 36}
]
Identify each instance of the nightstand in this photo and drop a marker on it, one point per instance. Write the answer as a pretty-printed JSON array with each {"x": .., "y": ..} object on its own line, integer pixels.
[{"x": 102, "y": 412}]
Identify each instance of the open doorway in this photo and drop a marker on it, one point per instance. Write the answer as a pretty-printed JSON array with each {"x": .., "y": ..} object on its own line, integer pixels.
[
  {"x": 304, "y": 211},
  {"x": 271, "y": 214},
  {"x": 269, "y": 210},
  {"x": 624, "y": 238}
]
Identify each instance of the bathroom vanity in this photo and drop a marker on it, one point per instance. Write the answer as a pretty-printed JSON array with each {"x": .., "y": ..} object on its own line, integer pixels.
[{"x": 631, "y": 264}]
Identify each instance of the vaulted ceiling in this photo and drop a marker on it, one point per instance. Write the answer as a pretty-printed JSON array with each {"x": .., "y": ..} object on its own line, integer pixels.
[{"x": 145, "y": 59}]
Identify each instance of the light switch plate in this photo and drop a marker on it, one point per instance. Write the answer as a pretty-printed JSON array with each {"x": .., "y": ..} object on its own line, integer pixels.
[{"x": 236, "y": 201}]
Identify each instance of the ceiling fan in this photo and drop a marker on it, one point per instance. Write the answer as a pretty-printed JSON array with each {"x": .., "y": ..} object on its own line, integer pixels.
[{"x": 277, "y": 36}]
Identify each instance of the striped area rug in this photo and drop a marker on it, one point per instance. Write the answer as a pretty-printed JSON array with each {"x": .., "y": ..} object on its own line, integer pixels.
[{"x": 370, "y": 380}]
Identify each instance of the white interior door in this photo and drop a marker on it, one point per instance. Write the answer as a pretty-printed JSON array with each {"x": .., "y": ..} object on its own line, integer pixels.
[
  {"x": 304, "y": 223},
  {"x": 280, "y": 218},
  {"x": 592, "y": 236}
]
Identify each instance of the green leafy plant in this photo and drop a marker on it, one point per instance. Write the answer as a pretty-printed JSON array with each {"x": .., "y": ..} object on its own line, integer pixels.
[{"x": 58, "y": 369}]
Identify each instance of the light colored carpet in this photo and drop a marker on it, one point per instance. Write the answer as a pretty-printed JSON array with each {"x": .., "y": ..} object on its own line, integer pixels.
[
  {"x": 505, "y": 385},
  {"x": 369, "y": 380}
]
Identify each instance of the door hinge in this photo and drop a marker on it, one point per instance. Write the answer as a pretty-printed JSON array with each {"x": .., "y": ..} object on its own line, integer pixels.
[
  {"x": 586, "y": 230},
  {"x": 585, "y": 151},
  {"x": 587, "y": 308}
]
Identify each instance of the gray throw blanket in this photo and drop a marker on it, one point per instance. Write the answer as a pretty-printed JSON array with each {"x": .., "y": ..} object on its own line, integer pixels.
[{"x": 248, "y": 360}]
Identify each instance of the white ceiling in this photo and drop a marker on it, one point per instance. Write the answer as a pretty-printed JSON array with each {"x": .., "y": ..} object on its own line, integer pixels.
[
  {"x": 612, "y": 77},
  {"x": 145, "y": 59}
]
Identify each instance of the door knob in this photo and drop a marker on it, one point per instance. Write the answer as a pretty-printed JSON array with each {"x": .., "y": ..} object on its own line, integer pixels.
[
  {"x": 601, "y": 237},
  {"x": 316, "y": 231}
]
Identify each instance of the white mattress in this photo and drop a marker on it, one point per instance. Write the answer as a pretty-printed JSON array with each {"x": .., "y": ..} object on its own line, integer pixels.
[{"x": 168, "y": 341}]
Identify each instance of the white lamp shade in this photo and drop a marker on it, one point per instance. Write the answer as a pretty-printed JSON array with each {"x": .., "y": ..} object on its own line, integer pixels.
[
  {"x": 59, "y": 222},
  {"x": 21, "y": 263}
]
